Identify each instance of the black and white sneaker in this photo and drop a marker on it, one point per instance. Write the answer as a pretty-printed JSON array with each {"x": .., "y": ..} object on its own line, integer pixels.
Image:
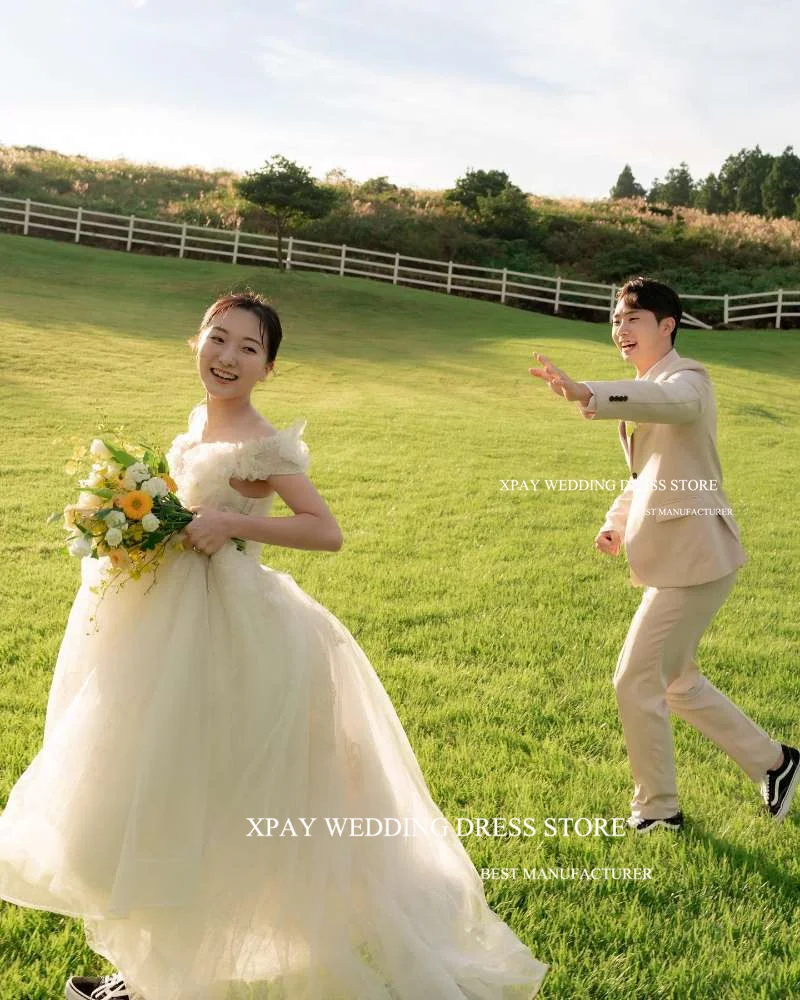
[
  {"x": 780, "y": 784},
  {"x": 646, "y": 825},
  {"x": 99, "y": 988}
]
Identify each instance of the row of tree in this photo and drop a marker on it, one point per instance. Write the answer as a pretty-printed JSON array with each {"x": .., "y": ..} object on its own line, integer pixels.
[
  {"x": 483, "y": 220},
  {"x": 748, "y": 181},
  {"x": 289, "y": 196}
]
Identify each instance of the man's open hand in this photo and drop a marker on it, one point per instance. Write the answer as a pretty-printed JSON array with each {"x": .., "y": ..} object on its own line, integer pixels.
[{"x": 560, "y": 382}]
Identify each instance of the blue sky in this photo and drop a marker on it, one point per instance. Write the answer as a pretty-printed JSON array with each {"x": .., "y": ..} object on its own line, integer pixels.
[{"x": 558, "y": 94}]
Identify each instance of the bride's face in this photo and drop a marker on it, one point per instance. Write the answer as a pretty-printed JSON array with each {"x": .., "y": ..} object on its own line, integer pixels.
[{"x": 231, "y": 345}]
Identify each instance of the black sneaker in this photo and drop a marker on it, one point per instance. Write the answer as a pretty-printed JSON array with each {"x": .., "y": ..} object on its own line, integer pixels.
[
  {"x": 646, "y": 825},
  {"x": 99, "y": 988},
  {"x": 780, "y": 784}
]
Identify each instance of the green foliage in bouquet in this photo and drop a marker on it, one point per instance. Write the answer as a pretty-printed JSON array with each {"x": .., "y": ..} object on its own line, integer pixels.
[{"x": 127, "y": 509}]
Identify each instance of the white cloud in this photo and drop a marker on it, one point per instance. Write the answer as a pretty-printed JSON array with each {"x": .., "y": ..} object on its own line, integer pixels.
[{"x": 560, "y": 95}]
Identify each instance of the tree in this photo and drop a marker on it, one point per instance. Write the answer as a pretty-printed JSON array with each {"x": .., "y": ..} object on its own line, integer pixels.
[
  {"x": 708, "y": 195},
  {"x": 627, "y": 186},
  {"x": 499, "y": 207},
  {"x": 750, "y": 197},
  {"x": 782, "y": 184},
  {"x": 506, "y": 215},
  {"x": 377, "y": 186},
  {"x": 287, "y": 194},
  {"x": 741, "y": 177},
  {"x": 730, "y": 175},
  {"x": 475, "y": 184},
  {"x": 337, "y": 177},
  {"x": 676, "y": 189}
]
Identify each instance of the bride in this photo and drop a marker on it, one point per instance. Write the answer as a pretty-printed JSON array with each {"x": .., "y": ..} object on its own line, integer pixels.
[{"x": 202, "y": 736}]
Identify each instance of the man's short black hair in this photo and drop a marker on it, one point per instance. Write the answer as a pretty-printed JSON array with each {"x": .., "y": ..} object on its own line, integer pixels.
[{"x": 655, "y": 296}]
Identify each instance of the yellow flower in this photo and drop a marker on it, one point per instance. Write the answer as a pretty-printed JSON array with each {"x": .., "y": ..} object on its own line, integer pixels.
[
  {"x": 119, "y": 558},
  {"x": 135, "y": 504},
  {"x": 69, "y": 515},
  {"x": 172, "y": 486}
]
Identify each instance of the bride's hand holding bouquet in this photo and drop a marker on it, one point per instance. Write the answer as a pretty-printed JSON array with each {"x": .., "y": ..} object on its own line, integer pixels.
[{"x": 127, "y": 509}]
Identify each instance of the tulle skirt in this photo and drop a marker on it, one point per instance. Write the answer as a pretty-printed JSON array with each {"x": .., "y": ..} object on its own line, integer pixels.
[{"x": 192, "y": 727}]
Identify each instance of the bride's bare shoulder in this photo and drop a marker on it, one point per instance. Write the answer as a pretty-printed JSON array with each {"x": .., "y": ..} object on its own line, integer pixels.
[{"x": 262, "y": 428}]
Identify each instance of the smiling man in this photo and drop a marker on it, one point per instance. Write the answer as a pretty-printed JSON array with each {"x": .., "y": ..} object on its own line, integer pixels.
[{"x": 682, "y": 545}]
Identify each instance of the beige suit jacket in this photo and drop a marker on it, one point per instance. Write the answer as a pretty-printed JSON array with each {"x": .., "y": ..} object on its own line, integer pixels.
[{"x": 666, "y": 515}]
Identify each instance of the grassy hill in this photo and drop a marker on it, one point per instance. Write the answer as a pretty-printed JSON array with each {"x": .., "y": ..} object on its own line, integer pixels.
[
  {"x": 604, "y": 241},
  {"x": 488, "y": 616}
]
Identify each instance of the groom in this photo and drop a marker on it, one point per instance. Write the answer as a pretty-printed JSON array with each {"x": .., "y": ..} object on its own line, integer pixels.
[{"x": 682, "y": 545}]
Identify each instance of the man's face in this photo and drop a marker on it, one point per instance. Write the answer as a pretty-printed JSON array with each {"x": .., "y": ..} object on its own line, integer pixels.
[{"x": 639, "y": 337}]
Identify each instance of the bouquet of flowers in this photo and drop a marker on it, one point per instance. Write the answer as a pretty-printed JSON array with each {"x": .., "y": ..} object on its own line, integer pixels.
[{"x": 127, "y": 509}]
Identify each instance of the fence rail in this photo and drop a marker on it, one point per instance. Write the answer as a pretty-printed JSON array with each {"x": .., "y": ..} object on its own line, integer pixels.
[{"x": 236, "y": 246}]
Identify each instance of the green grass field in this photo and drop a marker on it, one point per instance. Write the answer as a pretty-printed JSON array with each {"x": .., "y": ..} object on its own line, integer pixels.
[{"x": 488, "y": 616}]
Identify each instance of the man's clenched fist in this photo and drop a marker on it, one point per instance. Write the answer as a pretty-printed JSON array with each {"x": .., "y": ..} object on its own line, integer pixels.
[{"x": 608, "y": 542}]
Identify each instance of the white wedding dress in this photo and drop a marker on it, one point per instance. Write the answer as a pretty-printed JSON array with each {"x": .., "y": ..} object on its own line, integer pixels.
[{"x": 182, "y": 714}]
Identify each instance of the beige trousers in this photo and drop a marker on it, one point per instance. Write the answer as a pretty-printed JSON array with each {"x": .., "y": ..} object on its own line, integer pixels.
[{"x": 656, "y": 673}]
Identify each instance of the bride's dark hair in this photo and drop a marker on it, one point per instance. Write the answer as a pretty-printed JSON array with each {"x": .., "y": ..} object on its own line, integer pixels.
[{"x": 268, "y": 321}]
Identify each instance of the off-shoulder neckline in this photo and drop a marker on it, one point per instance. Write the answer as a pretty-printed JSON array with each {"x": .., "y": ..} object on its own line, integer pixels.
[
  {"x": 234, "y": 444},
  {"x": 195, "y": 441}
]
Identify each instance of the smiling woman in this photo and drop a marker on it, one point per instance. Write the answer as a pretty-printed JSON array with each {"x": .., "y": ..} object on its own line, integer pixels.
[
  {"x": 242, "y": 696},
  {"x": 237, "y": 342}
]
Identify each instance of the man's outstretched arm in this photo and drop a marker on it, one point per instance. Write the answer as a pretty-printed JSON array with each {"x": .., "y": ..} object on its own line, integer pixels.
[{"x": 680, "y": 399}]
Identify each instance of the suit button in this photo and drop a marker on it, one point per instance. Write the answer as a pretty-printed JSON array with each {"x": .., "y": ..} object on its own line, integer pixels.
[{"x": 635, "y": 475}]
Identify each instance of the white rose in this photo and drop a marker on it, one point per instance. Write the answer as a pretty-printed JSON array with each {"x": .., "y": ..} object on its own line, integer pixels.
[
  {"x": 79, "y": 546},
  {"x": 116, "y": 519},
  {"x": 95, "y": 478},
  {"x": 90, "y": 500},
  {"x": 113, "y": 537},
  {"x": 138, "y": 471},
  {"x": 99, "y": 450},
  {"x": 150, "y": 522},
  {"x": 155, "y": 487}
]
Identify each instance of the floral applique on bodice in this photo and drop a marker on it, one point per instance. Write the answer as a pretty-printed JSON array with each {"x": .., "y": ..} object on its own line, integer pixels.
[{"x": 202, "y": 470}]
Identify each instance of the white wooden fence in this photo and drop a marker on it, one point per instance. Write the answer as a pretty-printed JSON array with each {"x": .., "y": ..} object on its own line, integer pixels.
[{"x": 512, "y": 287}]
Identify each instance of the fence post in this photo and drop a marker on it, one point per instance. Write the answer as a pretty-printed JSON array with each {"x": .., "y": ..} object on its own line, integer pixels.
[
  {"x": 27, "y": 217},
  {"x": 558, "y": 293},
  {"x": 78, "y": 224},
  {"x": 287, "y": 264},
  {"x": 183, "y": 239},
  {"x": 130, "y": 233},
  {"x": 725, "y": 302},
  {"x": 449, "y": 276},
  {"x": 503, "y": 287},
  {"x": 396, "y": 268},
  {"x": 779, "y": 310},
  {"x": 342, "y": 260},
  {"x": 235, "y": 243},
  {"x": 611, "y": 309}
]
